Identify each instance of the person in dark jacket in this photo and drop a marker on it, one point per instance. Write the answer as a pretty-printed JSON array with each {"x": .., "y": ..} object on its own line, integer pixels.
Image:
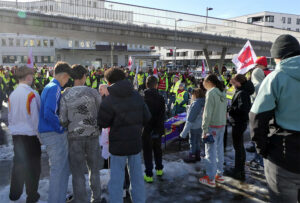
[
  {"x": 125, "y": 112},
  {"x": 238, "y": 112},
  {"x": 154, "y": 130},
  {"x": 278, "y": 101}
]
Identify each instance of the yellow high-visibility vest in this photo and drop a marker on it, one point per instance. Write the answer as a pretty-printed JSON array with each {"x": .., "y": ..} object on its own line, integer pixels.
[
  {"x": 141, "y": 79},
  {"x": 230, "y": 93},
  {"x": 180, "y": 98},
  {"x": 174, "y": 88},
  {"x": 88, "y": 81},
  {"x": 95, "y": 83}
]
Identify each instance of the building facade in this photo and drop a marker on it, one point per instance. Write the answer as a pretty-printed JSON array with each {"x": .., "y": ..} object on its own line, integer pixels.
[
  {"x": 272, "y": 19},
  {"x": 15, "y": 49}
]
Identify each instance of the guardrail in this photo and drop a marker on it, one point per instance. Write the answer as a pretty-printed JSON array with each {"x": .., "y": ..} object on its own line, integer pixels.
[{"x": 148, "y": 17}]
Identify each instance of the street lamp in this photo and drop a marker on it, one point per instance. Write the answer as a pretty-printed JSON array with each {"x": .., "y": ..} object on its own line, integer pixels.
[
  {"x": 175, "y": 39},
  {"x": 207, "y": 9}
]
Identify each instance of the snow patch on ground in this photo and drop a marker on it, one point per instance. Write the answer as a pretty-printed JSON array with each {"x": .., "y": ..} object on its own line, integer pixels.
[{"x": 6, "y": 152}]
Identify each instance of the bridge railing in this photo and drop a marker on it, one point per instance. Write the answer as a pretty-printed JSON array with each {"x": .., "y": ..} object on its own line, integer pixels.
[{"x": 149, "y": 18}]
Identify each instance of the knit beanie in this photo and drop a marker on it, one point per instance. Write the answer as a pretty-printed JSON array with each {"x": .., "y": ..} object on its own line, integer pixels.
[
  {"x": 262, "y": 61},
  {"x": 285, "y": 46}
]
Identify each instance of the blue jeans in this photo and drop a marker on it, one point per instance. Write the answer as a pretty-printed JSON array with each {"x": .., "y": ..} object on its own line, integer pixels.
[
  {"x": 117, "y": 169},
  {"x": 57, "y": 150},
  {"x": 214, "y": 160},
  {"x": 196, "y": 144}
]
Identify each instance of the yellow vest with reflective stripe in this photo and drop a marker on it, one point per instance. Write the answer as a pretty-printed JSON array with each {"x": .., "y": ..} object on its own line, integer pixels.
[
  {"x": 95, "y": 82},
  {"x": 88, "y": 81},
  {"x": 180, "y": 98},
  {"x": 174, "y": 88},
  {"x": 141, "y": 79},
  {"x": 230, "y": 93}
]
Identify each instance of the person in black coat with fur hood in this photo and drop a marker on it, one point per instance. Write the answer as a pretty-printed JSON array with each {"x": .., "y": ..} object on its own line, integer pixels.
[
  {"x": 154, "y": 130},
  {"x": 238, "y": 113}
]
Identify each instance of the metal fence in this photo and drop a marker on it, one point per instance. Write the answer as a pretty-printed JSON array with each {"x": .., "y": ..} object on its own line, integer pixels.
[{"x": 148, "y": 17}]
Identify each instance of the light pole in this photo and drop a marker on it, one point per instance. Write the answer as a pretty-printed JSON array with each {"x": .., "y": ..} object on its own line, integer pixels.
[
  {"x": 207, "y": 9},
  {"x": 175, "y": 39}
]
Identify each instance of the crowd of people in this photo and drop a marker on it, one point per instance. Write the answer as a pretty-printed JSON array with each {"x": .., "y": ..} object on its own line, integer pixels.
[{"x": 68, "y": 108}]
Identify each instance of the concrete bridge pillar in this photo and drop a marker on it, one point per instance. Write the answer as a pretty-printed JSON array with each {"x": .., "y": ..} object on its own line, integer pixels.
[
  {"x": 206, "y": 55},
  {"x": 221, "y": 61}
]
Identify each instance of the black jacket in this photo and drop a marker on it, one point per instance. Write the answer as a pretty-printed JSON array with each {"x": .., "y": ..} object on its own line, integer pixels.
[
  {"x": 156, "y": 105},
  {"x": 241, "y": 103},
  {"x": 125, "y": 112}
]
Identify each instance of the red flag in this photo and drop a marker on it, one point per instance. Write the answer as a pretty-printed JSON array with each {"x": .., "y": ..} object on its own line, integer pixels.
[
  {"x": 245, "y": 60},
  {"x": 155, "y": 69},
  {"x": 30, "y": 59},
  {"x": 130, "y": 63}
]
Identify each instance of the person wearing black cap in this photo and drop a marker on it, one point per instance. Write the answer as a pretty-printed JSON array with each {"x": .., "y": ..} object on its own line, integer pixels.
[{"x": 278, "y": 141}]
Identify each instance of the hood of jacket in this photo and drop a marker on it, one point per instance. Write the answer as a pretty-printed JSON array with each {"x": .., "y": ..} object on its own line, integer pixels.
[
  {"x": 220, "y": 94},
  {"x": 257, "y": 76},
  {"x": 121, "y": 88},
  {"x": 290, "y": 66},
  {"x": 248, "y": 87}
]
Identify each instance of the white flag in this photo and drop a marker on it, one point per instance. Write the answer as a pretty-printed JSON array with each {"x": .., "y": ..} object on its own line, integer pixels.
[{"x": 245, "y": 60}]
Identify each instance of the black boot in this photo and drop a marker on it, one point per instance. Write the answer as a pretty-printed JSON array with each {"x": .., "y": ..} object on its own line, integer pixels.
[
  {"x": 190, "y": 159},
  {"x": 236, "y": 174},
  {"x": 198, "y": 155}
]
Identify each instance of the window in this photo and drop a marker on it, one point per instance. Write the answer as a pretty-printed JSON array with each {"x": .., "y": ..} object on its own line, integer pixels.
[
  {"x": 10, "y": 42},
  {"x": 51, "y": 43},
  {"x": 45, "y": 59},
  {"x": 35, "y": 59},
  {"x": 70, "y": 44},
  {"x": 283, "y": 19},
  {"x": 288, "y": 28},
  {"x": 298, "y": 21},
  {"x": 82, "y": 44},
  {"x": 45, "y": 43},
  {"x": 169, "y": 54},
  {"x": 24, "y": 59},
  {"x": 38, "y": 42},
  {"x": 31, "y": 42},
  {"x": 51, "y": 59},
  {"x": 88, "y": 44},
  {"x": 25, "y": 43},
  {"x": 9, "y": 59},
  {"x": 51, "y": 7},
  {"x": 198, "y": 53},
  {"x": 76, "y": 44},
  {"x": 297, "y": 30},
  {"x": 270, "y": 19},
  {"x": 289, "y": 20},
  {"x": 95, "y": 4},
  {"x": 18, "y": 42},
  {"x": 3, "y": 42}
]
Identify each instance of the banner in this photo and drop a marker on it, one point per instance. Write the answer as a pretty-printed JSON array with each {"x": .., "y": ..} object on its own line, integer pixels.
[
  {"x": 155, "y": 69},
  {"x": 30, "y": 59},
  {"x": 245, "y": 60},
  {"x": 130, "y": 63},
  {"x": 203, "y": 69}
]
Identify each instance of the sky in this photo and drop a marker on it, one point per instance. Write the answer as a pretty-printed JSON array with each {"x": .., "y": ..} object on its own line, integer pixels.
[{"x": 221, "y": 8}]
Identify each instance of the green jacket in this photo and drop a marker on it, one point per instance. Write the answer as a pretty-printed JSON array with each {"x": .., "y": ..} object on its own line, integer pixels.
[{"x": 215, "y": 109}]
